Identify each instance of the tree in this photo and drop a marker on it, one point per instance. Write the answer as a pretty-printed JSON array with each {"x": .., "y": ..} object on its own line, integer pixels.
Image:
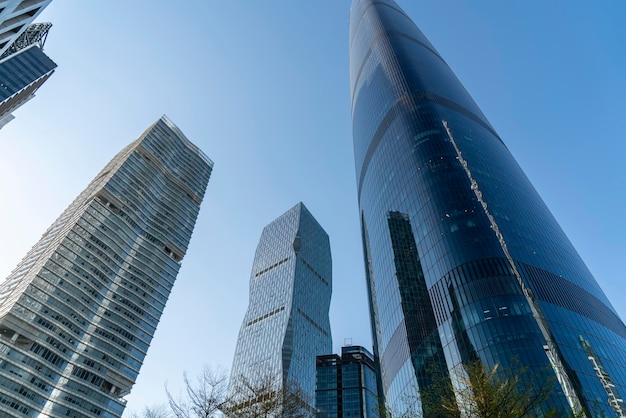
[
  {"x": 209, "y": 396},
  {"x": 202, "y": 398},
  {"x": 158, "y": 411},
  {"x": 481, "y": 393},
  {"x": 497, "y": 393},
  {"x": 266, "y": 397}
]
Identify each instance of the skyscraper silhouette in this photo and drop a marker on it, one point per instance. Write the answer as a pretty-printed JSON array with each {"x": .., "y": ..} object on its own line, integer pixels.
[
  {"x": 464, "y": 261},
  {"x": 286, "y": 325},
  {"x": 78, "y": 313}
]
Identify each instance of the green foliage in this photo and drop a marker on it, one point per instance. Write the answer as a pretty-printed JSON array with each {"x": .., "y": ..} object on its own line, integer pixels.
[
  {"x": 481, "y": 393},
  {"x": 495, "y": 393}
]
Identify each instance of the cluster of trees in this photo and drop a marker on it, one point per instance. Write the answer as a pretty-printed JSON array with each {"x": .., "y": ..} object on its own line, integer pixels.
[
  {"x": 477, "y": 393},
  {"x": 494, "y": 393},
  {"x": 209, "y": 395},
  {"x": 516, "y": 392}
]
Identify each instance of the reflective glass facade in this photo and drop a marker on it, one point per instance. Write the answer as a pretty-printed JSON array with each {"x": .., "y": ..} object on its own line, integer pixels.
[
  {"x": 345, "y": 386},
  {"x": 287, "y": 325},
  {"x": 21, "y": 74},
  {"x": 464, "y": 261},
  {"x": 78, "y": 313}
]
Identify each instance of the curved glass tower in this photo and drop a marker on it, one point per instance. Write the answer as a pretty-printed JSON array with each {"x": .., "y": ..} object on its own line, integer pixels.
[
  {"x": 464, "y": 261},
  {"x": 78, "y": 313},
  {"x": 286, "y": 325}
]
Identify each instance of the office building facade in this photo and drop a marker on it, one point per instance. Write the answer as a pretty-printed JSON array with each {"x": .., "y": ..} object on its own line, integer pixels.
[
  {"x": 286, "y": 324},
  {"x": 345, "y": 385},
  {"x": 24, "y": 67},
  {"x": 464, "y": 261},
  {"x": 78, "y": 313},
  {"x": 15, "y": 17}
]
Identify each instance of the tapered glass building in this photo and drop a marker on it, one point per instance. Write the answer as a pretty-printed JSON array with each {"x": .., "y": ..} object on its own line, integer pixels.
[
  {"x": 464, "y": 261},
  {"x": 286, "y": 325},
  {"x": 78, "y": 313}
]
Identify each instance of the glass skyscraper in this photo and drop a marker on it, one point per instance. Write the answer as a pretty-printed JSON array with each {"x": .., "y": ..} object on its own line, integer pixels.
[
  {"x": 464, "y": 261},
  {"x": 78, "y": 313},
  {"x": 287, "y": 325},
  {"x": 345, "y": 386}
]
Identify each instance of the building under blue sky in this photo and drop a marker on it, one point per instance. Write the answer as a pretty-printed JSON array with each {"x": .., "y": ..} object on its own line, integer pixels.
[
  {"x": 464, "y": 261},
  {"x": 286, "y": 325},
  {"x": 78, "y": 313},
  {"x": 263, "y": 88},
  {"x": 345, "y": 384}
]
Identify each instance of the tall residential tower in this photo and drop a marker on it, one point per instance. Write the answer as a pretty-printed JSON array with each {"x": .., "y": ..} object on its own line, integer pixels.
[
  {"x": 464, "y": 261},
  {"x": 286, "y": 325},
  {"x": 78, "y": 313}
]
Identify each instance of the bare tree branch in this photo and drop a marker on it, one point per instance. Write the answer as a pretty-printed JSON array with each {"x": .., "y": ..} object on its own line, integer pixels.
[
  {"x": 203, "y": 398},
  {"x": 266, "y": 396},
  {"x": 157, "y": 411}
]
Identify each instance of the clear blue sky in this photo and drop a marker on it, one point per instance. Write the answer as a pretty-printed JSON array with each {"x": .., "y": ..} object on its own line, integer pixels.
[{"x": 262, "y": 88}]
